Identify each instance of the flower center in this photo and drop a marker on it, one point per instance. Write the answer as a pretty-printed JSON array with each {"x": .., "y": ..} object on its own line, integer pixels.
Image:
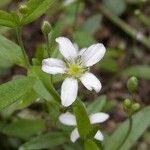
[{"x": 75, "y": 70}]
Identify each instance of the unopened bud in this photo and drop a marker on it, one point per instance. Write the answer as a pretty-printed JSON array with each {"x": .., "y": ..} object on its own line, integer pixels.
[
  {"x": 132, "y": 84},
  {"x": 127, "y": 104},
  {"x": 46, "y": 27},
  {"x": 135, "y": 107},
  {"x": 23, "y": 9}
]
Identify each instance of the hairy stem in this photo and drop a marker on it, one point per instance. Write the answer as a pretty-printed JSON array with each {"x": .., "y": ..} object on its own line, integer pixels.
[{"x": 20, "y": 42}]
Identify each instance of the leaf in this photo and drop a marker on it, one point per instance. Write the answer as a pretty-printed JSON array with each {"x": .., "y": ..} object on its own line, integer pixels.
[
  {"x": 49, "y": 141},
  {"x": 3, "y": 29},
  {"x": 90, "y": 145},
  {"x": 141, "y": 122},
  {"x": 109, "y": 64},
  {"x": 83, "y": 122},
  {"x": 27, "y": 99},
  {"x": 97, "y": 105},
  {"x": 36, "y": 8},
  {"x": 140, "y": 71},
  {"x": 116, "y": 6},
  {"x": 83, "y": 39},
  {"x": 91, "y": 24},
  {"x": 43, "y": 85},
  {"x": 24, "y": 128},
  {"x": 7, "y": 19},
  {"x": 11, "y": 52},
  {"x": 12, "y": 91}
]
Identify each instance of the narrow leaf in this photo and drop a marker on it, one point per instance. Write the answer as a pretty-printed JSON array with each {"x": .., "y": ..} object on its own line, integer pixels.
[
  {"x": 7, "y": 19},
  {"x": 11, "y": 52},
  {"x": 83, "y": 122},
  {"x": 36, "y": 8},
  {"x": 24, "y": 128},
  {"x": 12, "y": 91},
  {"x": 140, "y": 71},
  {"x": 90, "y": 145},
  {"x": 49, "y": 141}
]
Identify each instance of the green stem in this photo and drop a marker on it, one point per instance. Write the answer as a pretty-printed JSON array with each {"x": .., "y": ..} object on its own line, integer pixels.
[
  {"x": 128, "y": 133},
  {"x": 47, "y": 44},
  {"x": 124, "y": 26},
  {"x": 142, "y": 18},
  {"x": 20, "y": 42}
]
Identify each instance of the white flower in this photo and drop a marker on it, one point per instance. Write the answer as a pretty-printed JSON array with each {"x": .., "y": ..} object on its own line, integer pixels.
[
  {"x": 75, "y": 66},
  {"x": 70, "y": 120}
]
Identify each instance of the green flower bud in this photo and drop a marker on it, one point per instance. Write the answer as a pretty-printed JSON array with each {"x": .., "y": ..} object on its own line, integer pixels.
[
  {"x": 127, "y": 104},
  {"x": 135, "y": 107},
  {"x": 23, "y": 9},
  {"x": 132, "y": 84},
  {"x": 46, "y": 27}
]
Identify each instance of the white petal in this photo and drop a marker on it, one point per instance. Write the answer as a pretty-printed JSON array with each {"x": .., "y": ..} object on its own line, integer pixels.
[
  {"x": 93, "y": 54},
  {"x": 53, "y": 66},
  {"x": 67, "y": 119},
  {"x": 99, "y": 136},
  {"x": 82, "y": 51},
  {"x": 91, "y": 82},
  {"x": 74, "y": 135},
  {"x": 69, "y": 90},
  {"x": 66, "y": 48},
  {"x": 98, "y": 117}
]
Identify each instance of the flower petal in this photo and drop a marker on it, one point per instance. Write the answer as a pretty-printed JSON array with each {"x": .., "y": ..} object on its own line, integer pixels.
[
  {"x": 98, "y": 117},
  {"x": 82, "y": 51},
  {"x": 66, "y": 48},
  {"x": 93, "y": 54},
  {"x": 69, "y": 90},
  {"x": 99, "y": 136},
  {"x": 91, "y": 82},
  {"x": 74, "y": 135},
  {"x": 67, "y": 119},
  {"x": 53, "y": 66}
]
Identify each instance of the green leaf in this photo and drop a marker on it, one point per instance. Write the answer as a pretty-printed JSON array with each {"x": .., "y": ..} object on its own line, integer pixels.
[
  {"x": 140, "y": 71},
  {"x": 83, "y": 122},
  {"x": 109, "y": 64},
  {"x": 11, "y": 52},
  {"x": 50, "y": 141},
  {"x": 24, "y": 128},
  {"x": 83, "y": 39},
  {"x": 3, "y": 29},
  {"x": 27, "y": 99},
  {"x": 115, "y": 6},
  {"x": 36, "y": 8},
  {"x": 97, "y": 105},
  {"x": 43, "y": 85},
  {"x": 12, "y": 91},
  {"x": 90, "y": 145},
  {"x": 141, "y": 121},
  {"x": 7, "y": 19},
  {"x": 91, "y": 24}
]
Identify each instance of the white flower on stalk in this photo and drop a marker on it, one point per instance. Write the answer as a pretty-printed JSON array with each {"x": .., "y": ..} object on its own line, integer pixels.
[
  {"x": 76, "y": 66},
  {"x": 70, "y": 120}
]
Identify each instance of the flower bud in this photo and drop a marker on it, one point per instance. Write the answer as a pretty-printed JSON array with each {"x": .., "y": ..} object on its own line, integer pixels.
[
  {"x": 23, "y": 9},
  {"x": 132, "y": 84},
  {"x": 46, "y": 27},
  {"x": 135, "y": 107},
  {"x": 127, "y": 104}
]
